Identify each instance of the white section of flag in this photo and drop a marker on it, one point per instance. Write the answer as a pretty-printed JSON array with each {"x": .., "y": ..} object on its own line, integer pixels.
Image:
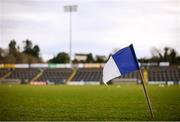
[{"x": 110, "y": 70}]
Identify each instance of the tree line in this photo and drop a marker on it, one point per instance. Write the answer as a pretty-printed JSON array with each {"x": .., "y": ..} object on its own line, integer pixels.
[
  {"x": 63, "y": 57},
  {"x": 13, "y": 55},
  {"x": 31, "y": 54},
  {"x": 168, "y": 54}
]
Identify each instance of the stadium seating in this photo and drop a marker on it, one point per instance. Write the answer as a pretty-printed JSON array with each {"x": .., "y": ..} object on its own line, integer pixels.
[
  {"x": 88, "y": 74},
  {"x": 60, "y": 75},
  {"x": 4, "y": 72},
  {"x": 56, "y": 75},
  {"x": 164, "y": 74},
  {"x": 130, "y": 76},
  {"x": 95, "y": 74},
  {"x": 24, "y": 74}
]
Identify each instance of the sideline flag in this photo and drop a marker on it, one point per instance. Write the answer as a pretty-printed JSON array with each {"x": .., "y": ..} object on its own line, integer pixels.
[{"x": 122, "y": 62}]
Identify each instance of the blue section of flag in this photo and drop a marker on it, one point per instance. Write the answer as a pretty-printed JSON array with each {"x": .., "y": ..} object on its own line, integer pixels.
[{"x": 126, "y": 60}]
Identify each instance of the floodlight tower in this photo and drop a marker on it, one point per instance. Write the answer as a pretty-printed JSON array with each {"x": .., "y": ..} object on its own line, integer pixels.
[{"x": 70, "y": 9}]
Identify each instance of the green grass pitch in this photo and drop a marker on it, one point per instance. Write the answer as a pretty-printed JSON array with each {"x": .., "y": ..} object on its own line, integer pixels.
[{"x": 61, "y": 102}]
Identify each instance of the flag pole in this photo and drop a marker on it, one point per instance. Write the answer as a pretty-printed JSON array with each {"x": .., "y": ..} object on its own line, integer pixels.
[{"x": 145, "y": 92}]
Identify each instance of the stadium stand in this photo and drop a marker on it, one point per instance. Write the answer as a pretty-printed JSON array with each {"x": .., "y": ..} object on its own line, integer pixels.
[
  {"x": 24, "y": 74},
  {"x": 3, "y": 72},
  {"x": 56, "y": 75},
  {"x": 164, "y": 74},
  {"x": 95, "y": 75},
  {"x": 88, "y": 74},
  {"x": 129, "y": 78}
]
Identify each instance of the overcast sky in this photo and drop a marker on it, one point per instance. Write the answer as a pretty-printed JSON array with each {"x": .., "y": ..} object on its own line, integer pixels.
[{"x": 98, "y": 26}]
